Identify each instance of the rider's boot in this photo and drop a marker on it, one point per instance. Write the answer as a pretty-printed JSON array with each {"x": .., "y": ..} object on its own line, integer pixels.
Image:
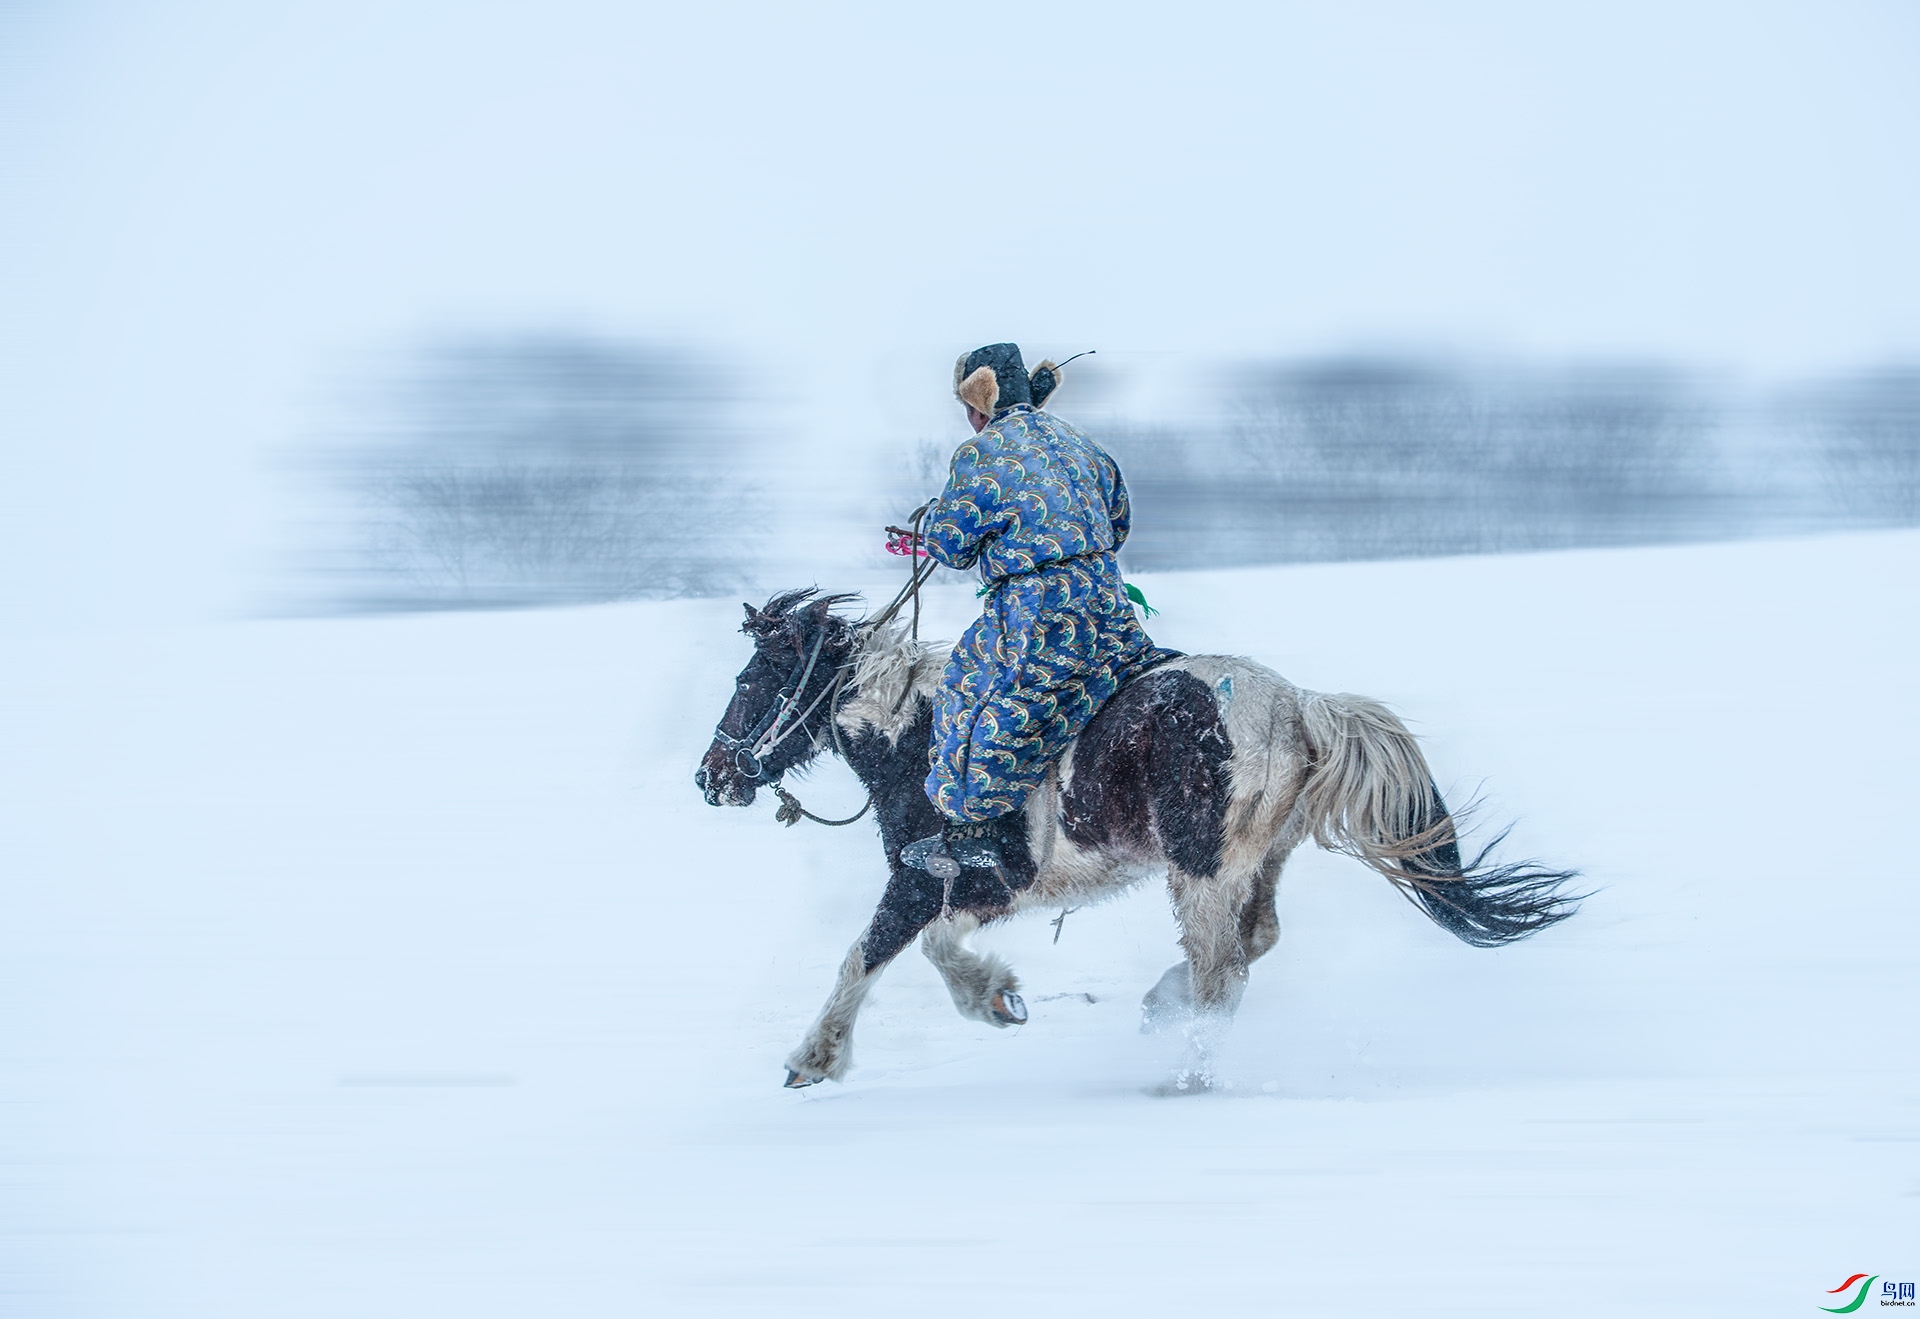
[{"x": 972, "y": 846}]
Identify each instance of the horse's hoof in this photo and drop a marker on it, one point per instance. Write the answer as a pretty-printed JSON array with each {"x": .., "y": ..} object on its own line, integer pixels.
[
  {"x": 1008, "y": 1008},
  {"x": 1169, "y": 1003},
  {"x": 795, "y": 1081}
]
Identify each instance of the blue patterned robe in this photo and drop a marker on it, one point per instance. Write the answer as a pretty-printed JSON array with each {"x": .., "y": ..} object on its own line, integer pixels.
[{"x": 1041, "y": 509}]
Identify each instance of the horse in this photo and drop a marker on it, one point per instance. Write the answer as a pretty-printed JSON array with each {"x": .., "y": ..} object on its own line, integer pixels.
[{"x": 1207, "y": 768}]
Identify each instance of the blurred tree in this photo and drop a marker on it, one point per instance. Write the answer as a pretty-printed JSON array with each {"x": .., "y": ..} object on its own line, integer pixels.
[
  {"x": 1368, "y": 459},
  {"x": 1868, "y": 432},
  {"x": 544, "y": 470}
]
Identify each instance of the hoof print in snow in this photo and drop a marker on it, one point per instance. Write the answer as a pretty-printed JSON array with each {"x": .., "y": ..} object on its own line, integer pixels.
[{"x": 1186, "y": 1083}]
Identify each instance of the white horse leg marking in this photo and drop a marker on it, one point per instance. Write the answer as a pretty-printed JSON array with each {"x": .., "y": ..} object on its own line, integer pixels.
[
  {"x": 1170, "y": 1003},
  {"x": 827, "y": 1051},
  {"x": 983, "y": 988},
  {"x": 1209, "y": 910}
]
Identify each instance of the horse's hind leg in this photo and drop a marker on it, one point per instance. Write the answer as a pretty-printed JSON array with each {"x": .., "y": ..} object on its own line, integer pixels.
[
  {"x": 1260, "y": 917},
  {"x": 983, "y": 988},
  {"x": 1209, "y": 910},
  {"x": 1171, "y": 1001}
]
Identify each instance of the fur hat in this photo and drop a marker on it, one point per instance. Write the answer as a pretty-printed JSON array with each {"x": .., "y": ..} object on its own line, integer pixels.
[{"x": 991, "y": 378}]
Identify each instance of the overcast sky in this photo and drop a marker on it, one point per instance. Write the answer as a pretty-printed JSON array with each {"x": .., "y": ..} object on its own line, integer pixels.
[{"x": 217, "y": 212}]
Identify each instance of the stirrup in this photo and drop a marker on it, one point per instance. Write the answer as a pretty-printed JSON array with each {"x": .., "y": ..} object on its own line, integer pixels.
[
  {"x": 944, "y": 854},
  {"x": 930, "y": 854},
  {"x": 972, "y": 845}
]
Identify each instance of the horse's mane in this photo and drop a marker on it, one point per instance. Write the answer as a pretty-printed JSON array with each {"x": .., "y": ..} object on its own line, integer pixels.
[{"x": 891, "y": 669}]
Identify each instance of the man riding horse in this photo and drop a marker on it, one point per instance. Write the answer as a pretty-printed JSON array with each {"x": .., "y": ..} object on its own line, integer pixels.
[
  {"x": 1211, "y": 769},
  {"x": 1041, "y": 509}
]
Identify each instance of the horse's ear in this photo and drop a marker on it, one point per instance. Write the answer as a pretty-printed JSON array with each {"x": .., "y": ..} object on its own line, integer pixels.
[{"x": 760, "y": 624}]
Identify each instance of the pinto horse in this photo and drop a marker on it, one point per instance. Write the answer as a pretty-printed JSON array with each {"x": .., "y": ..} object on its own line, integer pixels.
[{"x": 1206, "y": 768}]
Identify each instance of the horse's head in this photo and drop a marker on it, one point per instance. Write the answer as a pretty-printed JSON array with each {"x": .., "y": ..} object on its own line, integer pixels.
[{"x": 780, "y": 699}]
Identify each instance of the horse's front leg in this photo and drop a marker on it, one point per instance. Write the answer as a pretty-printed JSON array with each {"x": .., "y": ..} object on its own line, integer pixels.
[
  {"x": 983, "y": 988},
  {"x": 911, "y": 901}
]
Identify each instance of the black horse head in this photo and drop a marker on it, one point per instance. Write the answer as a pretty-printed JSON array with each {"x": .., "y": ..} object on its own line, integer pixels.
[{"x": 779, "y": 708}]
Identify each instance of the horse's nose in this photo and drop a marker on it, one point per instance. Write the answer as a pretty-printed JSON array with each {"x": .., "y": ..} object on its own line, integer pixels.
[{"x": 700, "y": 778}]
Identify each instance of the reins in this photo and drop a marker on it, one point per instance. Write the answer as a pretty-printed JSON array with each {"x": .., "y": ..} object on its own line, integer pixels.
[
  {"x": 915, "y": 576},
  {"x": 774, "y": 728}
]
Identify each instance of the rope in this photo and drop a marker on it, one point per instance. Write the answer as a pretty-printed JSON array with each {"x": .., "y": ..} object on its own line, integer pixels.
[{"x": 791, "y": 810}]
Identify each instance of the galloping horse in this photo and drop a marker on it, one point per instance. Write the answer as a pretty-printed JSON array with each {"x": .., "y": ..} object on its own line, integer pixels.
[{"x": 1209, "y": 768}]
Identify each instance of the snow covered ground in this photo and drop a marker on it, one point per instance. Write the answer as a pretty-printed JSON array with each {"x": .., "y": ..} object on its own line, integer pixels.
[{"x": 394, "y": 967}]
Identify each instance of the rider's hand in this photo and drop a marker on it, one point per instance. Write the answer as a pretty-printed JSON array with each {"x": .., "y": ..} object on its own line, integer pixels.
[{"x": 904, "y": 543}]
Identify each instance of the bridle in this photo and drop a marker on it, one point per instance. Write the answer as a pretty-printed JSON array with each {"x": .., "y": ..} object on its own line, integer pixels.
[{"x": 777, "y": 724}]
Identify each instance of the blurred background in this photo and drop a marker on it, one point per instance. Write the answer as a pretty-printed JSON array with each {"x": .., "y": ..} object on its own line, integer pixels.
[{"x": 321, "y": 308}]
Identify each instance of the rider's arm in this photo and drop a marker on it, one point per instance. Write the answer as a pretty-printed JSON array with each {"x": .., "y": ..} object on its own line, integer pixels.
[{"x": 967, "y": 514}]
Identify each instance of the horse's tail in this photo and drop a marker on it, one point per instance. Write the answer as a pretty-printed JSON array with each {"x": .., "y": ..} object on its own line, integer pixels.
[{"x": 1371, "y": 796}]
